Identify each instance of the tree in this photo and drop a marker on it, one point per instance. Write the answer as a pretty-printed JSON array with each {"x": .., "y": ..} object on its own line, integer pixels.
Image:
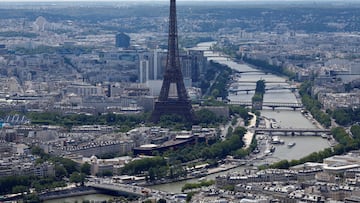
[
  {"x": 19, "y": 189},
  {"x": 229, "y": 132},
  {"x": 241, "y": 131},
  {"x": 69, "y": 165},
  {"x": 143, "y": 165},
  {"x": 77, "y": 177},
  {"x": 151, "y": 174},
  {"x": 313, "y": 105},
  {"x": 260, "y": 87},
  {"x": 284, "y": 164},
  {"x": 161, "y": 201},
  {"x": 86, "y": 168},
  {"x": 257, "y": 97},
  {"x": 342, "y": 116},
  {"x": 189, "y": 196},
  {"x": 241, "y": 153},
  {"x": 355, "y": 130},
  {"x": 60, "y": 171},
  {"x": 32, "y": 198},
  {"x": 205, "y": 116},
  {"x": 110, "y": 118}
]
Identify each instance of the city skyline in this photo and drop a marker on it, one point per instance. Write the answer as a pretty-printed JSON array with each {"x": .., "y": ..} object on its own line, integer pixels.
[{"x": 273, "y": 89}]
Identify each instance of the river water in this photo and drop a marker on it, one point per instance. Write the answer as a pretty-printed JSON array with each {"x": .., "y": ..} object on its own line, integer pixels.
[
  {"x": 286, "y": 118},
  {"x": 94, "y": 198}
]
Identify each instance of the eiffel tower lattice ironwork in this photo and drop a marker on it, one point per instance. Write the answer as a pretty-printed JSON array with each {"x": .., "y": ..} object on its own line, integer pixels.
[{"x": 178, "y": 102}]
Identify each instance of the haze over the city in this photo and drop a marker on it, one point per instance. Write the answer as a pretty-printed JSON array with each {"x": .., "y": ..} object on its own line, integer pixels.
[{"x": 226, "y": 101}]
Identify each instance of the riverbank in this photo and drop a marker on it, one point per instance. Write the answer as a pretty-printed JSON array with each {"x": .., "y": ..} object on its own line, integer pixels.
[
  {"x": 249, "y": 135},
  {"x": 223, "y": 168},
  {"x": 210, "y": 171}
]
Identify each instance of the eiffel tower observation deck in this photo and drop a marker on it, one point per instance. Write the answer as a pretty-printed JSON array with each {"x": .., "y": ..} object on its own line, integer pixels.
[{"x": 173, "y": 98}]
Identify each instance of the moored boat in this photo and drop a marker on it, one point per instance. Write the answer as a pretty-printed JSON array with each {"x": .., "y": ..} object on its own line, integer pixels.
[{"x": 291, "y": 144}]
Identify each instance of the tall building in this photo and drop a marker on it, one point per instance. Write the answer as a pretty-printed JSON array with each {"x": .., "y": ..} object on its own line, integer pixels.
[
  {"x": 173, "y": 97},
  {"x": 155, "y": 63},
  {"x": 186, "y": 65},
  {"x": 144, "y": 69},
  {"x": 193, "y": 65},
  {"x": 122, "y": 40},
  {"x": 198, "y": 64},
  {"x": 160, "y": 58}
]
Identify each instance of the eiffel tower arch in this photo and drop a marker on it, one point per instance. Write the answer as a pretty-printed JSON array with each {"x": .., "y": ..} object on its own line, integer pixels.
[{"x": 173, "y": 98}]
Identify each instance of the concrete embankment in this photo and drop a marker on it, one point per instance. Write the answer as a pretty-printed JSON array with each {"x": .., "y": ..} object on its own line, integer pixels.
[{"x": 248, "y": 137}]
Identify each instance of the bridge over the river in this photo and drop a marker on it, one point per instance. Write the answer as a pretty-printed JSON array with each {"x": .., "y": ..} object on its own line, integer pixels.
[
  {"x": 292, "y": 131},
  {"x": 208, "y": 54},
  {"x": 272, "y": 105},
  {"x": 277, "y": 87},
  {"x": 266, "y": 81},
  {"x": 121, "y": 189},
  {"x": 250, "y": 71}
]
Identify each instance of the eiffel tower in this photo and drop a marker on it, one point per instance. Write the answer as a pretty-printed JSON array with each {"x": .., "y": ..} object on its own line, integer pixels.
[{"x": 173, "y": 98}]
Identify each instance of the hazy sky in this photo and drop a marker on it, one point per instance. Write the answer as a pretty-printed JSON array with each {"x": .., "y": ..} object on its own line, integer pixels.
[
  {"x": 162, "y": 0},
  {"x": 247, "y": 1}
]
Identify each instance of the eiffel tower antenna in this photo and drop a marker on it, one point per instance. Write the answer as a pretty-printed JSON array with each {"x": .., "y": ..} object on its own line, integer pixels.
[{"x": 173, "y": 98}]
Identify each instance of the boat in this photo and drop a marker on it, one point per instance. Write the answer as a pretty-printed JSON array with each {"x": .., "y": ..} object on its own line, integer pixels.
[
  {"x": 202, "y": 179},
  {"x": 274, "y": 124},
  {"x": 276, "y": 140},
  {"x": 291, "y": 144}
]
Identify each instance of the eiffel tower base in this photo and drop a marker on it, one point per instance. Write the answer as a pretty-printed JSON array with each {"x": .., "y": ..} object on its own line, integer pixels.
[{"x": 181, "y": 108}]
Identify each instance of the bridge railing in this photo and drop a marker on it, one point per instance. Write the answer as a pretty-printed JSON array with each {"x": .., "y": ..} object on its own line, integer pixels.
[
  {"x": 293, "y": 131},
  {"x": 277, "y": 104}
]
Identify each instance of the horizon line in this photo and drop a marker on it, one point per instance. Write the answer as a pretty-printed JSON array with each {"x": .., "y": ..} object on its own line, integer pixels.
[{"x": 246, "y": 1}]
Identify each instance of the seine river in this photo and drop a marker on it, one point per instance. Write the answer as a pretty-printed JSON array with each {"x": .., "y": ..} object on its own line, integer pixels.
[
  {"x": 286, "y": 118},
  {"x": 95, "y": 198}
]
